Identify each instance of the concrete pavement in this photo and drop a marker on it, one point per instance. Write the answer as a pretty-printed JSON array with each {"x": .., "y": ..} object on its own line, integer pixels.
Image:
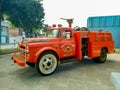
[
  {"x": 115, "y": 78},
  {"x": 78, "y": 75}
]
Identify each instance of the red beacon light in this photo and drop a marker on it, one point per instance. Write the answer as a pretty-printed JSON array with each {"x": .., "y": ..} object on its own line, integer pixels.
[{"x": 54, "y": 25}]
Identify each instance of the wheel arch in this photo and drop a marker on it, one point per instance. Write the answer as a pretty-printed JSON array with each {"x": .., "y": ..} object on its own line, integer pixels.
[
  {"x": 105, "y": 49},
  {"x": 40, "y": 52}
]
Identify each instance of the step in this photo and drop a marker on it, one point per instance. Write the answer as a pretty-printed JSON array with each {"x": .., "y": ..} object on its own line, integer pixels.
[{"x": 115, "y": 78}]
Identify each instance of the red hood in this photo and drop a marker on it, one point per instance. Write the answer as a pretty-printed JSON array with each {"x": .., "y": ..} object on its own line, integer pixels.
[
  {"x": 33, "y": 40},
  {"x": 43, "y": 39}
]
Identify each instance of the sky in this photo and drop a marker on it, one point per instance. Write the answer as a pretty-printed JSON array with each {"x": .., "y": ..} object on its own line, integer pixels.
[{"x": 79, "y": 10}]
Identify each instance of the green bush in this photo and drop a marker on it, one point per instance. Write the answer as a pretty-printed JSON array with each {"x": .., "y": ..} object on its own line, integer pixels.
[{"x": 7, "y": 51}]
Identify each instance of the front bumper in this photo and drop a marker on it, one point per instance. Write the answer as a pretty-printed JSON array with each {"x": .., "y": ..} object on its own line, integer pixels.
[{"x": 18, "y": 59}]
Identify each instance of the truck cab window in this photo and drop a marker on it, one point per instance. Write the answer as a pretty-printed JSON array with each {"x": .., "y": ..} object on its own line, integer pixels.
[
  {"x": 53, "y": 33},
  {"x": 66, "y": 34}
]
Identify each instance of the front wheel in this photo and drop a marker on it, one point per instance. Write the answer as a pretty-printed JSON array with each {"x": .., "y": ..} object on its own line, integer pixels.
[
  {"x": 102, "y": 58},
  {"x": 47, "y": 63}
]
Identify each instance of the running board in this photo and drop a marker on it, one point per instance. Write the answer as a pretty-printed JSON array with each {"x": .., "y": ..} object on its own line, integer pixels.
[{"x": 66, "y": 60}]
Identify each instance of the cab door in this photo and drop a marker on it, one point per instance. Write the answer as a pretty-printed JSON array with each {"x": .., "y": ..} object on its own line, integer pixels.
[{"x": 67, "y": 44}]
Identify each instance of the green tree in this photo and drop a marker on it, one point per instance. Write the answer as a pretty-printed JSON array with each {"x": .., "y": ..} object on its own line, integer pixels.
[{"x": 27, "y": 14}]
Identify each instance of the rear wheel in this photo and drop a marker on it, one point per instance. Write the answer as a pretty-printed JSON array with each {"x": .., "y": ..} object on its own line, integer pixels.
[
  {"x": 102, "y": 58},
  {"x": 47, "y": 63}
]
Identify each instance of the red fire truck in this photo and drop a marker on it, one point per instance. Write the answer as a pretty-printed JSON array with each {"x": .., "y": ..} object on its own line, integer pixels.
[{"x": 61, "y": 43}]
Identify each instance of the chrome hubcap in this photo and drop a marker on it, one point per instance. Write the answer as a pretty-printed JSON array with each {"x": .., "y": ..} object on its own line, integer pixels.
[{"x": 47, "y": 64}]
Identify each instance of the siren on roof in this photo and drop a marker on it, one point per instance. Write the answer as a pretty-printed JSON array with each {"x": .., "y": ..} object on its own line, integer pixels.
[{"x": 54, "y": 25}]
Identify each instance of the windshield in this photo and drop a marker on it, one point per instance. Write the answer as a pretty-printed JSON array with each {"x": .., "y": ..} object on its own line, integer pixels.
[{"x": 53, "y": 33}]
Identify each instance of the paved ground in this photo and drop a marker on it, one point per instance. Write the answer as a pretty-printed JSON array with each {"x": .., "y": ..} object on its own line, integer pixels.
[{"x": 84, "y": 75}]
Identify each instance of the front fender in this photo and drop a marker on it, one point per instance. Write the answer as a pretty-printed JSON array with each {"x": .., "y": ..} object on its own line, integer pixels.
[{"x": 46, "y": 49}]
